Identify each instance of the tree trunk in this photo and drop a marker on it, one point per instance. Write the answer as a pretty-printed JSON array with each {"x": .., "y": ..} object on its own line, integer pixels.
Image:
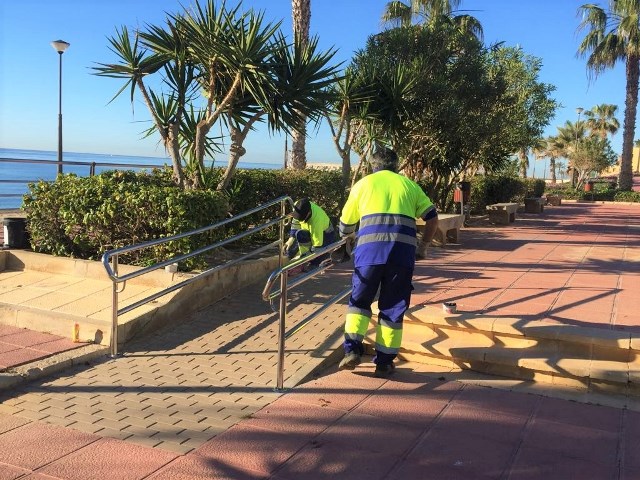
[
  {"x": 552, "y": 167},
  {"x": 236, "y": 151},
  {"x": 301, "y": 13},
  {"x": 169, "y": 136},
  {"x": 625, "y": 180},
  {"x": 522, "y": 155}
]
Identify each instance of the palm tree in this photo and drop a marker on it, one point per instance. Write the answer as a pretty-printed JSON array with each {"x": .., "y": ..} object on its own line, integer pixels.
[
  {"x": 539, "y": 150},
  {"x": 569, "y": 137},
  {"x": 523, "y": 162},
  {"x": 614, "y": 35},
  {"x": 301, "y": 13},
  {"x": 430, "y": 12},
  {"x": 601, "y": 120},
  {"x": 553, "y": 151}
]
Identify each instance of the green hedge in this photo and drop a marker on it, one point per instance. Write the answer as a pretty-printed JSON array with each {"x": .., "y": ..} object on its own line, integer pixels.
[
  {"x": 602, "y": 192},
  {"x": 82, "y": 217},
  {"x": 490, "y": 189}
]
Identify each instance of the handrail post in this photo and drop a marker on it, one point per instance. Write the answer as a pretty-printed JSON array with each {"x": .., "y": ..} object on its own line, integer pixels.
[
  {"x": 282, "y": 330},
  {"x": 283, "y": 211},
  {"x": 114, "y": 309}
]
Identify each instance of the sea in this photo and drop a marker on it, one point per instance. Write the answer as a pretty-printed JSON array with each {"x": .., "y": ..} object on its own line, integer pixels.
[{"x": 14, "y": 176}]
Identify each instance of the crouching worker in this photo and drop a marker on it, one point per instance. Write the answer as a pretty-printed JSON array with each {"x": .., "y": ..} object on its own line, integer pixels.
[{"x": 311, "y": 228}]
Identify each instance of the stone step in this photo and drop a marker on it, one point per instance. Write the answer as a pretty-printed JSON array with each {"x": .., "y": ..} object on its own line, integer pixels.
[{"x": 581, "y": 357}]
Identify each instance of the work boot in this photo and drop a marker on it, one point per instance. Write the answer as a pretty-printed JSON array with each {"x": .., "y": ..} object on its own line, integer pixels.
[
  {"x": 383, "y": 371},
  {"x": 350, "y": 361}
]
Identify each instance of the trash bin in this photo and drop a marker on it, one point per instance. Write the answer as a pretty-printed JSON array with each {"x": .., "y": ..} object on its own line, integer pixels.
[
  {"x": 15, "y": 233},
  {"x": 588, "y": 186}
]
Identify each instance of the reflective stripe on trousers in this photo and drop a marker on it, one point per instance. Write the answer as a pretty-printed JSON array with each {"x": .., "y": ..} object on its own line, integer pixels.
[{"x": 395, "y": 293}]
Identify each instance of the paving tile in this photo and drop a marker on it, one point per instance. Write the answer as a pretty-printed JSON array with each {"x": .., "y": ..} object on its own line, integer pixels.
[
  {"x": 7, "y": 347},
  {"x": 9, "y": 472},
  {"x": 249, "y": 450},
  {"x": 293, "y": 417},
  {"x": 19, "y": 356},
  {"x": 318, "y": 461},
  {"x": 9, "y": 422},
  {"x": 517, "y": 404},
  {"x": 193, "y": 467},
  {"x": 593, "y": 416},
  {"x": 582, "y": 442},
  {"x": 40, "y": 444},
  {"x": 107, "y": 459},
  {"x": 532, "y": 463}
]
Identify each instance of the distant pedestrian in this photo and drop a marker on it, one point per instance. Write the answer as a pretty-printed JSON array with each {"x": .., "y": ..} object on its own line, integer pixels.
[{"x": 385, "y": 205}]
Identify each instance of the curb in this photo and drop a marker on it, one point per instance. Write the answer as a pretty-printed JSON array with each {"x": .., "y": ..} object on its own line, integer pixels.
[{"x": 50, "y": 365}]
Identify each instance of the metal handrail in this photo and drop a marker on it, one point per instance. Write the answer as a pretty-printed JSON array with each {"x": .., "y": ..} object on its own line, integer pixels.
[
  {"x": 282, "y": 272},
  {"x": 92, "y": 169},
  {"x": 110, "y": 259}
]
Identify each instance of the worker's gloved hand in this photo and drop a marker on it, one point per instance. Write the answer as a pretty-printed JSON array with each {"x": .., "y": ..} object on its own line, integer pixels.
[
  {"x": 350, "y": 244},
  {"x": 343, "y": 254},
  {"x": 421, "y": 252},
  {"x": 287, "y": 249}
]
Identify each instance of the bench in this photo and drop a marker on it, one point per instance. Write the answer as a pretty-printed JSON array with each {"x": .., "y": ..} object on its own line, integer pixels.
[
  {"x": 554, "y": 200},
  {"x": 502, "y": 213},
  {"x": 448, "y": 230},
  {"x": 534, "y": 205}
]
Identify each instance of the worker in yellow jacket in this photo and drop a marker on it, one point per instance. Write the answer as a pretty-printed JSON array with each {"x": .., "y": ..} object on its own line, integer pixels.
[
  {"x": 383, "y": 206},
  {"x": 310, "y": 228}
]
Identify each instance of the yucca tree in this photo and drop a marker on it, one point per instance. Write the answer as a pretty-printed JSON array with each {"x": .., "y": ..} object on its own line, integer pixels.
[
  {"x": 601, "y": 120},
  {"x": 613, "y": 35},
  {"x": 220, "y": 66},
  {"x": 301, "y": 77},
  {"x": 430, "y": 12},
  {"x": 301, "y": 16}
]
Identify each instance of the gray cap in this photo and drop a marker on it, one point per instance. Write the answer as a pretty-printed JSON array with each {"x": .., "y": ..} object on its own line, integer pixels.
[{"x": 384, "y": 159}]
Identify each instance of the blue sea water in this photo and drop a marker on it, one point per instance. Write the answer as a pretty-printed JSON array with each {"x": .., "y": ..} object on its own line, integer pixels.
[{"x": 29, "y": 172}]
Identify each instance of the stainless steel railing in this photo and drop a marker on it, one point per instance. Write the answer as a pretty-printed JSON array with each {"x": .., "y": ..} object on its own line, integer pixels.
[
  {"x": 283, "y": 275},
  {"x": 91, "y": 165},
  {"x": 110, "y": 259}
]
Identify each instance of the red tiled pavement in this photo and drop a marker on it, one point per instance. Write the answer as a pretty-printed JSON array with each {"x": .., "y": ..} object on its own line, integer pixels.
[
  {"x": 574, "y": 264},
  {"x": 19, "y": 346}
]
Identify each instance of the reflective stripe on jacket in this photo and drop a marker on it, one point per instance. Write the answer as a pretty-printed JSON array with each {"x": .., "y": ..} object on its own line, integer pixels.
[{"x": 386, "y": 205}]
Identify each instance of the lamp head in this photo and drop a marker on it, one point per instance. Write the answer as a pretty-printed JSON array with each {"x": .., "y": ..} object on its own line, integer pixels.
[{"x": 60, "y": 46}]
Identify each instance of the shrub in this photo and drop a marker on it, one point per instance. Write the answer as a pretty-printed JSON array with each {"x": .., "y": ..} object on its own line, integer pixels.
[
  {"x": 83, "y": 217},
  {"x": 490, "y": 189}
]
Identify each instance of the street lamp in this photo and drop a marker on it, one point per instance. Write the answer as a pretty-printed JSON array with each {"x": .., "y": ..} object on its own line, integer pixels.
[
  {"x": 60, "y": 46},
  {"x": 579, "y": 111}
]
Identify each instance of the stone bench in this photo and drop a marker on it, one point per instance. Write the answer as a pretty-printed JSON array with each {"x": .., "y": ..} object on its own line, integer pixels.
[
  {"x": 502, "y": 213},
  {"x": 534, "y": 205},
  {"x": 554, "y": 200},
  {"x": 448, "y": 230}
]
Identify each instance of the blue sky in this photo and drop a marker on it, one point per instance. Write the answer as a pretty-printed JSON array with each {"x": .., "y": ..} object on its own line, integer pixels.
[{"x": 29, "y": 67}]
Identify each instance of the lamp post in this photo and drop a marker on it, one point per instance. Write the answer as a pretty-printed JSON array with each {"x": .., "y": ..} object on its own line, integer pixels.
[
  {"x": 60, "y": 46},
  {"x": 579, "y": 111}
]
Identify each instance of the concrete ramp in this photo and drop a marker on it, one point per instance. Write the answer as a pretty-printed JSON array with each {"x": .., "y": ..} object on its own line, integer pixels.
[{"x": 53, "y": 294}]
